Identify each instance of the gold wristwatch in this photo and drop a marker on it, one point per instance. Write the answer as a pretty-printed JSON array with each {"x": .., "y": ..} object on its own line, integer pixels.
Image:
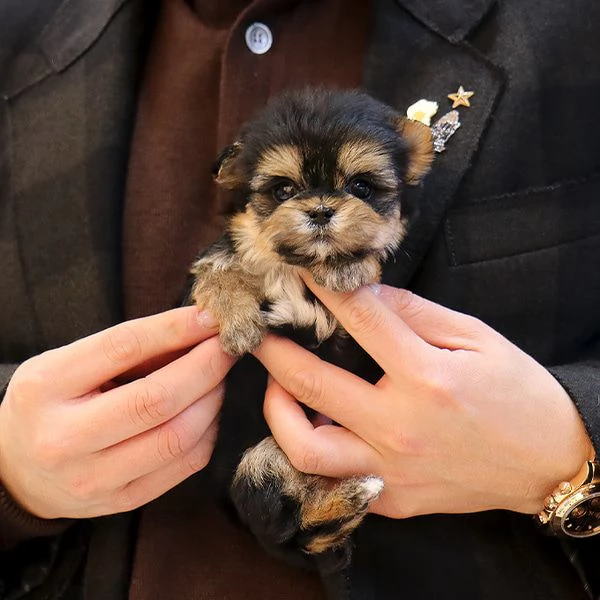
[{"x": 573, "y": 509}]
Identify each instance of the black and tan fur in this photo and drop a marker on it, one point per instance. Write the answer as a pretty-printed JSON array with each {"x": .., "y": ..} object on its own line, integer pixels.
[{"x": 318, "y": 178}]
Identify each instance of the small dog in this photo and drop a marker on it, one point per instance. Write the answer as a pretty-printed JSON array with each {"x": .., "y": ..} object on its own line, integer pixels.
[{"x": 317, "y": 179}]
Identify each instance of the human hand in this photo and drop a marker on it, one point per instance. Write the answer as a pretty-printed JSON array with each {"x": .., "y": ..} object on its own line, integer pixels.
[
  {"x": 462, "y": 421},
  {"x": 114, "y": 420}
]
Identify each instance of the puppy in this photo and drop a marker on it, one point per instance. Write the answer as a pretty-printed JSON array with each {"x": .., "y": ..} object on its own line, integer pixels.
[{"x": 317, "y": 179}]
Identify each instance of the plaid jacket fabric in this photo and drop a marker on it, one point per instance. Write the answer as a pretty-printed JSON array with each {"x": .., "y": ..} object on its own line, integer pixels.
[{"x": 509, "y": 226}]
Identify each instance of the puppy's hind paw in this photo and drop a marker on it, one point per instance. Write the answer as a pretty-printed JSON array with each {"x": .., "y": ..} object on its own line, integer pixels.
[
  {"x": 297, "y": 516},
  {"x": 331, "y": 515}
]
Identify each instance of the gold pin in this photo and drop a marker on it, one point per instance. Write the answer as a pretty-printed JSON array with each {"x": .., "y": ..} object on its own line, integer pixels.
[{"x": 460, "y": 98}]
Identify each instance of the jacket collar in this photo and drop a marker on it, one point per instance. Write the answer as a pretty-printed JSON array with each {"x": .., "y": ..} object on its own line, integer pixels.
[
  {"x": 448, "y": 18},
  {"x": 409, "y": 59},
  {"x": 76, "y": 25},
  {"x": 72, "y": 29}
]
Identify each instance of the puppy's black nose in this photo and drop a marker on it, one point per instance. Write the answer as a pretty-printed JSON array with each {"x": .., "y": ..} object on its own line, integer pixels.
[{"x": 321, "y": 215}]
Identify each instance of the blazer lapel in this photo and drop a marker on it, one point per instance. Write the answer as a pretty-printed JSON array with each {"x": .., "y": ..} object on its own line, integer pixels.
[
  {"x": 72, "y": 29},
  {"x": 69, "y": 122},
  {"x": 416, "y": 52}
]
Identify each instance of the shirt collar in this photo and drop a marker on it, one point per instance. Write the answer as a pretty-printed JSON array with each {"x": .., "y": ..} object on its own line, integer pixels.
[{"x": 217, "y": 13}]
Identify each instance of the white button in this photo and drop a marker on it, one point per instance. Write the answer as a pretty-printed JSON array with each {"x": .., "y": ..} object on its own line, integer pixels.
[{"x": 259, "y": 38}]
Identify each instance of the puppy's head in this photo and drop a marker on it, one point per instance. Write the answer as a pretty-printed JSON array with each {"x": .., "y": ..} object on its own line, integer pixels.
[{"x": 322, "y": 173}]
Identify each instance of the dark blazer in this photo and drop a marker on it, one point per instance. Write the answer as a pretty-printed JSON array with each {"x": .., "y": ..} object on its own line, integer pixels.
[{"x": 509, "y": 226}]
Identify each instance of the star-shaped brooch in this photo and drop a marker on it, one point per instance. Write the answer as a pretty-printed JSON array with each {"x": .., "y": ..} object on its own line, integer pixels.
[{"x": 460, "y": 98}]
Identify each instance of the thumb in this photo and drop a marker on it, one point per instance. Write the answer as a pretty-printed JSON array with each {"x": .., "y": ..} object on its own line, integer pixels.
[{"x": 436, "y": 324}]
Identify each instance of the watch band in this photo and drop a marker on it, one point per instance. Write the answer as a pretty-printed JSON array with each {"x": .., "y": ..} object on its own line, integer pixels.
[{"x": 573, "y": 509}]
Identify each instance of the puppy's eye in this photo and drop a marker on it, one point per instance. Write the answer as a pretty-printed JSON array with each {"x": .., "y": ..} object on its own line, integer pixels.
[
  {"x": 284, "y": 191},
  {"x": 360, "y": 188}
]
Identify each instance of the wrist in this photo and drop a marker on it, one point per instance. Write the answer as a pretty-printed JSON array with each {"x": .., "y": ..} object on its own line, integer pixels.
[
  {"x": 11, "y": 486},
  {"x": 568, "y": 444},
  {"x": 17, "y": 524},
  {"x": 562, "y": 447}
]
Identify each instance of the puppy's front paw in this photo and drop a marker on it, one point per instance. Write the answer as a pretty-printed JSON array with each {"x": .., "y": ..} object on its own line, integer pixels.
[
  {"x": 300, "y": 516},
  {"x": 235, "y": 305},
  {"x": 241, "y": 337}
]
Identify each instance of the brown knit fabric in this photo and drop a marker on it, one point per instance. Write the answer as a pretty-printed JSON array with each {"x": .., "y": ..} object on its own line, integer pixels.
[
  {"x": 169, "y": 202},
  {"x": 202, "y": 83},
  {"x": 16, "y": 524},
  {"x": 190, "y": 549}
]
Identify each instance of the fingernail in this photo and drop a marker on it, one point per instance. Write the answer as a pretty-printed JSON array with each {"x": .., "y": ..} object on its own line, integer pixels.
[
  {"x": 375, "y": 288},
  {"x": 206, "y": 319}
]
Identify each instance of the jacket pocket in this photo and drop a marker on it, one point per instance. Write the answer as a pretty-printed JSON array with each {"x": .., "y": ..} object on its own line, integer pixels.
[{"x": 526, "y": 221}]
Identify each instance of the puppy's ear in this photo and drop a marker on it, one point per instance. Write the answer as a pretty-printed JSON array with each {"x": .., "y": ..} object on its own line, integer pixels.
[
  {"x": 420, "y": 148},
  {"x": 226, "y": 169}
]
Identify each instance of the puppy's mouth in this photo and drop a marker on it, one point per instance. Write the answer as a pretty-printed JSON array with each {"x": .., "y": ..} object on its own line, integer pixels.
[
  {"x": 320, "y": 252},
  {"x": 320, "y": 231}
]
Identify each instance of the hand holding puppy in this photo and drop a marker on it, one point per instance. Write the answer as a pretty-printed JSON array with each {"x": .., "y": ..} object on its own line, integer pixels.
[
  {"x": 462, "y": 421},
  {"x": 113, "y": 420}
]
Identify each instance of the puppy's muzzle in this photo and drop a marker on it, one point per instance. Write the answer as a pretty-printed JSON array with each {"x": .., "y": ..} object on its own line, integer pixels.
[{"x": 321, "y": 215}]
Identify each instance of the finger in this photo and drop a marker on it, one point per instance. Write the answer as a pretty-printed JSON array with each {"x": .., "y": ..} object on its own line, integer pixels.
[
  {"x": 155, "y": 484},
  {"x": 141, "y": 405},
  {"x": 152, "y": 450},
  {"x": 149, "y": 366},
  {"x": 327, "y": 450},
  {"x": 391, "y": 342},
  {"x": 436, "y": 324},
  {"x": 329, "y": 390},
  {"x": 86, "y": 364}
]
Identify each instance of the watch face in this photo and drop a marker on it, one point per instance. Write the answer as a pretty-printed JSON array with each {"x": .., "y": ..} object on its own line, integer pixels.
[{"x": 583, "y": 518}]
